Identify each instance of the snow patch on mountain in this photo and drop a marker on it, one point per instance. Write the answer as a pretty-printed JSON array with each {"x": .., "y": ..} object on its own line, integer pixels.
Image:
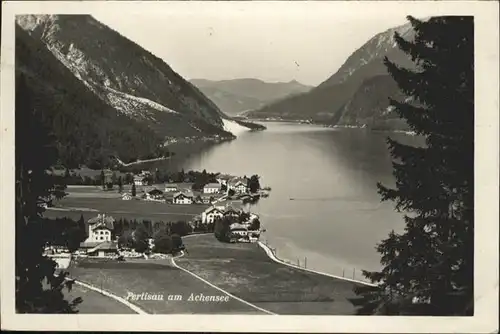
[
  {"x": 233, "y": 127},
  {"x": 128, "y": 104},
  {"x": 131, "y": 105}
]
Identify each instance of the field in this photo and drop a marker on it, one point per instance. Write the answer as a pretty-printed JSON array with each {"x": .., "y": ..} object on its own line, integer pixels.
[
  {"x": 90, "y": 201},
  {"x": 245, "y": 271},
  {"x": 95, "y": 303},
  {"x": 156, "y": 278}
]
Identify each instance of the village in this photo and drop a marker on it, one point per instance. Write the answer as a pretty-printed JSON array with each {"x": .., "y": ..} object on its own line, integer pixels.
[
  {"x": 215, "y": 203},
  {"x": 226, "y": 187}
]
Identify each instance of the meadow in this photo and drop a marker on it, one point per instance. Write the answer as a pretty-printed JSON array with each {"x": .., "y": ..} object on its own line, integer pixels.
[{"x": 245, "y": 271}]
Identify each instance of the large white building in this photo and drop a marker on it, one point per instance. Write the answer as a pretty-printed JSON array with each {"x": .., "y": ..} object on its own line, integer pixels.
[{"x": 100, "y": 228}]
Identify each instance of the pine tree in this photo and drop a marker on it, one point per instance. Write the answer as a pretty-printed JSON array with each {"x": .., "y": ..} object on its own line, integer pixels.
[
  {"x": 103, "y": 180},
  {"x": 38, "y": 288},
  {"x": 428, "y": 268},
  {"x": 66, "y": 174},
  {"x": 81, "y": 227},
  {"x": 120, "y": 185},
  {"x": 134, "y": 190}
]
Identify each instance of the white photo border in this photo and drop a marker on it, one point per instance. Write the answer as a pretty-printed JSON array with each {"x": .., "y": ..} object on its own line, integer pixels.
[{"x": 486, "y": 176}]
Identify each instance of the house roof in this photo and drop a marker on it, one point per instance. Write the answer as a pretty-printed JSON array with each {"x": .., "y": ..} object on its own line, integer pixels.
[
  {"x": 101, "y": 221},
  {"x": 172, "y": 185},
  {"x": 90, "y": 244},
  {"x": 237, "y": 226},
  {"x": 212, "y": 208},
  {"x": 212, "y": 185},
  {"x": 224, "y": 177},
  {"x": 241, "y": 182},
  {"x": 237, "y": 180},
  {"x": 106, "y": 245},
  {"x": 155, "y": 192},
  {"x": 230, "y": 208},
  {"x": 183, "y": 193}
]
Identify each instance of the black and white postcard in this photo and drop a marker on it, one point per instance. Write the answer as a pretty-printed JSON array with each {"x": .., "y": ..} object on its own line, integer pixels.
[{"x": 250, "y": 166}]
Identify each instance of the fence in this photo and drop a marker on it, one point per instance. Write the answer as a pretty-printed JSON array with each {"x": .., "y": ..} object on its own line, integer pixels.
[{"x": 346, "y": 272}]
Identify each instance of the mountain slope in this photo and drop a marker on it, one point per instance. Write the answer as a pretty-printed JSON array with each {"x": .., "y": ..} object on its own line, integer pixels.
[
  {"x": 330, "y": 102},
  {"x": 235, "y": 96},
  {"x": 86, "y": 130},
  {"x": 127, "y": 77},
  {"x": 370, "y": 105}
]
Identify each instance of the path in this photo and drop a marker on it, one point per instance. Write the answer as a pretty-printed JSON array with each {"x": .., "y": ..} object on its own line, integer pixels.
[
  {"x": 222, "y": 290},
  {"x": 177, "y": 289},
  {"x": 140, "y": 161}
]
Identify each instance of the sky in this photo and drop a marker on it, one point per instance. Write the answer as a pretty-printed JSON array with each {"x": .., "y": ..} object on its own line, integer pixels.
[{"x": 303, "y": 43}]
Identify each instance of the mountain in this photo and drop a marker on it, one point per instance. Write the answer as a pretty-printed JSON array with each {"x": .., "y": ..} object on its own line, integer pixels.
[
  {"x": 337, "y": 100},
  {"x": 238, "y": 95},
  {"x": 369, "y": 106},
  {"x": 86, "y": 129},
  {"x": 128, "y": 78}
]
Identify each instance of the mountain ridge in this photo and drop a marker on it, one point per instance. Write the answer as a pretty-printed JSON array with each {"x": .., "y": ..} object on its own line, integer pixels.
[
  {"x": 328, "y": 103},
  {"x": 234, "y": 96},
  {"x": 71, "y": 110},
  {"x": 127, "y": 77}
]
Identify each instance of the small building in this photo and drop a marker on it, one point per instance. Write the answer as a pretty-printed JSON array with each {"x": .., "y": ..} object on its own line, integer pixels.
[
  {"x": 207, "y": 199},
  {"x": 211, "y": 214},
  {"x": 151, "y": 243},
  {"x": 171, "y": 187},
  {"x": 212, "y": 188},
  {"x": 104, "y": 249},
  {"x": 126, "y": 197},
  {"x": 183, "y": 197},
  {"x": 230, "y": 211},
  {"x": 140, "y": 180},
  {"x": 239, "y": 230},
  {"x": 108, "y": 175},
  {"x": 155, "y": 195},
  {"x": 238, "y": 185},
  {"x": 87, "y": 245},
  {"x": 223, "y": 179}
]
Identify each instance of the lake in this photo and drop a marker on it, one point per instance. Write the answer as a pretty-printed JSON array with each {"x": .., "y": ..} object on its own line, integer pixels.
[{"x": 336, "y": 217}]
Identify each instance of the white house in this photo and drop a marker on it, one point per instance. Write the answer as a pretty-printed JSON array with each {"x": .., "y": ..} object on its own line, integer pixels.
[
  {"x": 126, "y": 197},
  {"x": 140, "y": 180},
  {"x": 209, "y": 215},
  {"x": 104, "y": 249},
  {"x": 155, "y": 195},
  {"x": 239, "y": 185},
  {"x": 183, "y": 198},
  {"x": 100, "y": 228},
  {"x": 238, "y": 229},
  {"x": 212, "y": 188},
  {"x": 230, "y": 211},
  {"x": 171, "y": 187}
]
